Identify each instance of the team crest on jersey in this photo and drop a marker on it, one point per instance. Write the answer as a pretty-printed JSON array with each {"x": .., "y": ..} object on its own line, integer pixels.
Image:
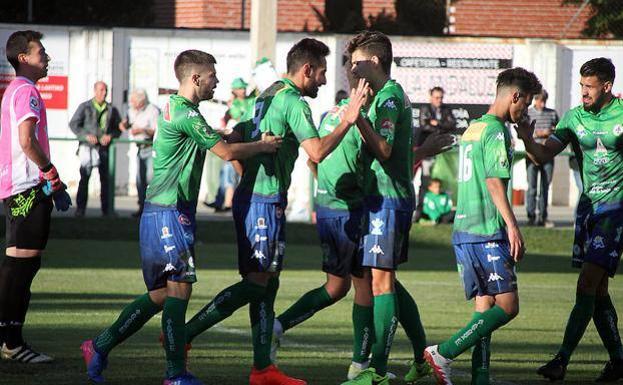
[
  {"x": 387, "y": 128},
  {"x": 34, "y": 103},
  {"x": 390, "y": 104},
  {"x": 617, "y": 130},
  {"x": 166, "y": 114}
]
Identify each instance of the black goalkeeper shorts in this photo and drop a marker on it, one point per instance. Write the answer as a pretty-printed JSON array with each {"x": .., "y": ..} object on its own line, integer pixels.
[{"x": 28, "y": 219}]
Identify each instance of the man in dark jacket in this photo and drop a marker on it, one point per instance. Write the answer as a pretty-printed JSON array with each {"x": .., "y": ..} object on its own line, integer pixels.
[
  {"x": 95, "y": 123},
  {"x": 434, "y": 118}
]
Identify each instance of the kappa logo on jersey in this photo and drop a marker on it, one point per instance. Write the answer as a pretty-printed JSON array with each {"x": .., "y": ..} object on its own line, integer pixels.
[
  {"x": 617, "y": 130},
  {"x": 165, "y": 233},
  {"x": 377, "y": 226},
  {"x": 261, "y": 223},
  {"x": 34, "y": 103},
  {"x": 390, "y": 104},
  {"x": 614, "y": 254},
  {"x": 581, "y": 131},
  {"x": 376, "y": 250},
  {"x": 166, "y": 114},
  {"x": 598, "y": 242},
  {"x": 183, "y": 220},
  {"x": 168, "y": 248},
  {"x": 192, "y": 114},
  {"x": 492, "y": 258},
  {"x": 491, "y": 245},
  {"x": 495, "y": 277},
  {"x": 499, "y": 136}
]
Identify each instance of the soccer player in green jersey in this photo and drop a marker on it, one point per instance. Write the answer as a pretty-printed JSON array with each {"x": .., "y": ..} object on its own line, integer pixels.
[
  {"x": 594, "y": 130},
  {"x": 388, "y": 198},
  {"x": 487, "y": 241},
  {"x": 260, "y": 200},
  {"x": 167, "y": 229},
  {"x": 339, "y": 209}
]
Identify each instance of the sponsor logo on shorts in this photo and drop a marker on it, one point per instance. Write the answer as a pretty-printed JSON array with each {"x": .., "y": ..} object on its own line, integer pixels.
[
  {"x": 495, "y": 277},
  {"x": 169, "y": 267},
  {"x": 278, "y": 212},
  {"x": 491, "y": 245},
  {"x": 261, "y": 223},
  {"x": 165, "y": 233},
  {"x": 376, "y": 250},
  {"x": 260, "y": 238},
  {"x": 183, "y": 219},
  {"x": 168, "y": 248},
  {"x": 598, "y": 242},
  {"x": 377, "y": 226},
  {"x": 492, "y": 258},
  {"x": 259, "y": 255}
]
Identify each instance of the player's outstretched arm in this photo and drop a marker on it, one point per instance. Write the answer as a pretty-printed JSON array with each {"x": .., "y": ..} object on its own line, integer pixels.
[
  {"x": 539, "y": 153},
  {"x": 235, "y": 151},
  {"x": 433, "y": 145},
  {"x": 318, "y": 148},
  {"x": 497, "y": 190}
]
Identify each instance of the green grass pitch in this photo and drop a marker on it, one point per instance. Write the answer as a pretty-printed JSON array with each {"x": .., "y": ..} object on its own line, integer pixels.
[{"x": 91, "y": 270}]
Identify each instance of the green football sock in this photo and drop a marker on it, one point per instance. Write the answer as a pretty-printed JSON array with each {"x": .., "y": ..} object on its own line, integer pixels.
[
  {"x": 481, "y": 355},
  {"x": 262, "y": 315},
  {"x": 310, "y": 303},
  {"x": 480, "y": 326},
  {"x": 606, "y": 321},
  {"x": 409, "y": 318},
  {"x": 576, "y": 325},
  {"x": 131, "y": 319},
  {"x": 385, "y": 323},
  {"x": 363, "y": 332},
  {"x": 173, "y": 316},
  {"x": 222, "y": 306}
]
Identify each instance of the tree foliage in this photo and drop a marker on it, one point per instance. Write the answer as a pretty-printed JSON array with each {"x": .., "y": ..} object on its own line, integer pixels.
[{"x": 606, "y": 19}]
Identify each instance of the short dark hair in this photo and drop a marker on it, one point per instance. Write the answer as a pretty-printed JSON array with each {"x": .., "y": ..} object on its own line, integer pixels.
[
  {"x": 187, "y": 59},
  {"x": 543, "y": 95},
  {"x": 601, "y": 67},
  {"x": 374, "y": 43},
  {"x": 526, "y": 81},
  {"x": 307, "y": 50},
  {"x": 18, "y": 43},
  {"x": 340, "y": 95},
  {"x": 437, "y": 88},
  {"x": 436, "y": 180}
]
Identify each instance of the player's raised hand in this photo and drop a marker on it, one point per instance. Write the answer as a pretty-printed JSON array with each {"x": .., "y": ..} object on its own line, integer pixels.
[
  {"x": 516, "y": 241},
  {"x": 358, "y": 98},
  {"x": 271, "y": 142},
  {"x": 436, "y": 143}
]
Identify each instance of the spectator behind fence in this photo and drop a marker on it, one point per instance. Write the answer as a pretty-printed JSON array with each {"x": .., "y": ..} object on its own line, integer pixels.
[
  {"x": 434, "y": 118},
  {"x": 545, "y": 122},
  {"x": 141, "y": 121},
  {"x": 437, "y": 204},
  {"x": 95, "y": 123}
]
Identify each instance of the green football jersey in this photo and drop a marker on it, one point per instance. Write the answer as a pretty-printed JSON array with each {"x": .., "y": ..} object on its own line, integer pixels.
[
  {"x": 179, "y": 149},
  {"x": 281, "y": 111},
  {"x": 598, "y": 141},
  {"x": 436, "y": 205},
  {"x": 388, "y": 184},
  {"x": 484, "y": 152},
  {"x": 242, "y": 109},
  {"x": 339, "y": 174}
]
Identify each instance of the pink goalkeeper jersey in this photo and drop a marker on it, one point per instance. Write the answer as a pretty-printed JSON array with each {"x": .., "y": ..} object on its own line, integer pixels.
[{"x": 21, "y": 100}]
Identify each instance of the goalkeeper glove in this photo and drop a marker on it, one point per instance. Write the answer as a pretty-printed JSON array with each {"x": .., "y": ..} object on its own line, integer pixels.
[{"x": 51, "y": 176}]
